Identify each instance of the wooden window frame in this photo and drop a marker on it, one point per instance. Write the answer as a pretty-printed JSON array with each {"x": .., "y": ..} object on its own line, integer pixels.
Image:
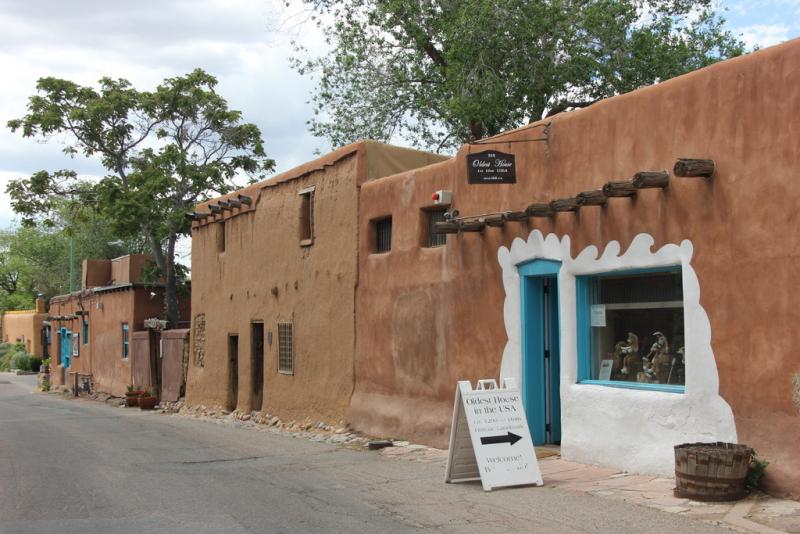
[{"x": 306, "y": 216}]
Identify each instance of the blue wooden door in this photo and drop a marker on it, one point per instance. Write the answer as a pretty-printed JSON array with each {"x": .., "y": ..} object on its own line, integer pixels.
[
  {"x": 541, "y": 349},
  {"x": 66, "y": 347}
]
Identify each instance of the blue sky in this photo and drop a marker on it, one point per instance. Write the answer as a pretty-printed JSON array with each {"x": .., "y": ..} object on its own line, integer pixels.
[
  {"x": 245, "y": 43},
  {"x": 763, "y": 22}
]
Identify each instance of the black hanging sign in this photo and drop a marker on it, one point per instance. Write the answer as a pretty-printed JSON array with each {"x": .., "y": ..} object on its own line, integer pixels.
[{"x": 491, "y": 167}]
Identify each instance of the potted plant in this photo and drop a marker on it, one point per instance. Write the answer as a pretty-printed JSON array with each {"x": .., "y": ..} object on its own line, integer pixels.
[
  {"x": 148, "y": 400},
  {"x": 132, "y": 396}
]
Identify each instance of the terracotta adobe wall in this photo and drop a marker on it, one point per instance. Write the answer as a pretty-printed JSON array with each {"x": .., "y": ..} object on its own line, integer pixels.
[
  {"x": 265, "y": 275},
  {"x": 107, "y": 310},
  {"x": 27, "y": 325},
  {"x": 95, "y": 273},
  {"x": 68, "y": 305},
  {"x": 427, "y": 318},
  {"x": 112, "y": 373},
  {"x": 128, "y": 269}
]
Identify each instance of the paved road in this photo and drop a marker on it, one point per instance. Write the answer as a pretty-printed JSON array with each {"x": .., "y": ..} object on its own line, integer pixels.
[{"x": 75, "y": 466}]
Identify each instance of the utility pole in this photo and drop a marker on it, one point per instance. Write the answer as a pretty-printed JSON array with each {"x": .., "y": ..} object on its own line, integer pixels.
[{"x": 71, "y": 263}]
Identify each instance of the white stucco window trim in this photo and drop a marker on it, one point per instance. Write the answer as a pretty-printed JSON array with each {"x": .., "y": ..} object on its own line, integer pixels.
[{"x": 630, "y": 429}]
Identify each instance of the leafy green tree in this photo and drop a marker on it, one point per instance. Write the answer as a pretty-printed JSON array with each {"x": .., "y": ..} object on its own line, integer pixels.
[
  {"x": 164, "y": 150},
  {"x": 39, "y": 259},
  {"x": 444, "y": 72}
]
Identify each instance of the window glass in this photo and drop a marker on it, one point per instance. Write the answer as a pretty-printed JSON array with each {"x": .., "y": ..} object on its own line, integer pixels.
[
  {"x": 435, "y": 239},
  {"x": 637, "y": 330},
  {"x": 285, "y": 348},
  {"x": 125, "y": 344},
  {"x": 85, "y": 332},
  {"x": 383, "y": 235}
]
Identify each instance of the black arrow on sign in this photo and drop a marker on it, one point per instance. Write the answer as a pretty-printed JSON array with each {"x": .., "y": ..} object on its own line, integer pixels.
[{"x": 510, "y": 438}]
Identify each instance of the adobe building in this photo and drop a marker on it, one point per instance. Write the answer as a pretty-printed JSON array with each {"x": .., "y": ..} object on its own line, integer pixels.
[
  {"x": 274, "y": 271},
  {"x": 92, "y": 329},
  {"x": 26, "y": 327},
  {"x": 637, "y": 276}
]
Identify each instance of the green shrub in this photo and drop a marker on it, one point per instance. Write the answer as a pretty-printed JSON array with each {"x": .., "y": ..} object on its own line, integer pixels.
[
  {"x": 756, "y": 472},
  {"x": 13, "y": 356},
  {"x": 21, "y": 361},
  {"x": 5, "y": 360}
]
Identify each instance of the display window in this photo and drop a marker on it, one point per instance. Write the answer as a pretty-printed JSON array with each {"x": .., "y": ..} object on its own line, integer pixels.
[{"x": 632, "y": 329}]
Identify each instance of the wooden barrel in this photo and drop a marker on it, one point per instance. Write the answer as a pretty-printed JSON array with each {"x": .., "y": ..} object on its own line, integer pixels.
[{"x": 711, "y": 471}]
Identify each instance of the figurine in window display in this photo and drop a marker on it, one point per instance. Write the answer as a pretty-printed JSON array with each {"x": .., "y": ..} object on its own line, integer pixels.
[
  {"x": 679, "y": 358},
  {"x": 625, "y": 352},
  {"x": 659, "y": 353}
]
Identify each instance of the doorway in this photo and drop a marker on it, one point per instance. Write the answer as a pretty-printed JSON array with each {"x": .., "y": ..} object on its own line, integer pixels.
[
  {"x": 65, "y": 350},
  {"x": 540, "y": 350},
  {"x": 257, "y": 363},
  {"x": 233, "y": 370}
]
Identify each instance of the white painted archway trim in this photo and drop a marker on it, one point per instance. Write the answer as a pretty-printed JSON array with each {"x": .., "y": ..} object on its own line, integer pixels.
[{"x": 633, "y": 430}]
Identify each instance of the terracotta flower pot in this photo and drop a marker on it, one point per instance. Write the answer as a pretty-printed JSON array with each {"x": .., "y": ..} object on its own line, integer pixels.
[
  {"x": 132, "y": 397},
  {"x": 148, "y": 403}
]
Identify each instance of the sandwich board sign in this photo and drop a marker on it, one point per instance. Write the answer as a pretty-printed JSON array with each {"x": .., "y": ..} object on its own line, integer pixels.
[{"x": 489, "y": 438}]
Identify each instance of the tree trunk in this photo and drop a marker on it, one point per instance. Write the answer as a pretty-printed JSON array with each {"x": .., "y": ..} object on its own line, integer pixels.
[
  {"x": 475, "y": 130},
  {"x": 166, "y": 267},
  {"x": 171, "y": 289}
]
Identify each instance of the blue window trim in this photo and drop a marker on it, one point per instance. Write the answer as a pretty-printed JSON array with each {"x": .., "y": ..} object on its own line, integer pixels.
[
  {"x": 538, "y": 267},
  {"x": 668, "y": 388},
  {"x": 585, "y": 331}
]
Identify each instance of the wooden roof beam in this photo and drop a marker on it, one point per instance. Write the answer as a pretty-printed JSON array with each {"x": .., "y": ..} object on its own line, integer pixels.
[
  {"x": 565, "y": 204},
  {"x": 595, "y": 197},
  {"x": 690, "y": 168},
  {"x": 620, "y": 189},
  {"x": 651, "y": 179}
]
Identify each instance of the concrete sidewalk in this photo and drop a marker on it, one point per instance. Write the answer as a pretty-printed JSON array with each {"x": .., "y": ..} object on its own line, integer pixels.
[{"x": 758, "y": 513}]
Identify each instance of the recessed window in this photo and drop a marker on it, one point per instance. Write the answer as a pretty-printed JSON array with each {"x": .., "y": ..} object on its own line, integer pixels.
[
  {"x": 285, "y": 348},
  {"x": 221, "y": 236},
  {"x": 85, "y": 332},
  {"x": 633, "y": 328},
  {"x": 125, "y": 341},
  {"x": 432, "y": 239},
  {"x": 76, "y": 344},
  {"x": 306, "y": 216},
  {"x": 383, "y": 235}
]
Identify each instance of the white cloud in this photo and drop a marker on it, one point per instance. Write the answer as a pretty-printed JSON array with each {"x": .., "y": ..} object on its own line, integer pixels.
[
  {"x": 763, "y": 35},
  {"x": 244, "y": 44}
]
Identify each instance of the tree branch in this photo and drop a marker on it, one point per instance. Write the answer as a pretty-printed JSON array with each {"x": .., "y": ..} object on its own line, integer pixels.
[{"x": 564, "y": 106}]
